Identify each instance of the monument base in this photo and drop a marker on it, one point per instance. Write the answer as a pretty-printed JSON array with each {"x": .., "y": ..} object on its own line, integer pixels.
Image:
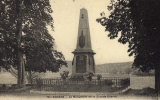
[{"x": 83, "y": 63}]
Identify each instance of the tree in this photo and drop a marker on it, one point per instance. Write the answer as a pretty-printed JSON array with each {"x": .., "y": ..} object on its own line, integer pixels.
[
  {"x": 138, "y": 23},
  {"x": 23, "y": 31}
]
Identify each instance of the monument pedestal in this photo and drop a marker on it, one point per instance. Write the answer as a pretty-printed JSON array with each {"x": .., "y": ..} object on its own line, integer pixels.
[{"x": 82, "y": 63}]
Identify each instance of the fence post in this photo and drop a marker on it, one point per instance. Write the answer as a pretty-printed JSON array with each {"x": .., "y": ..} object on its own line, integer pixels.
[
  {"x": 31, "y": 81},
  {"x": 115, "y": 83}
]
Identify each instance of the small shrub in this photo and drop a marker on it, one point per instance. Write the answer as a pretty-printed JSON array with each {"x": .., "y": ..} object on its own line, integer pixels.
[
  {"x": 89, "y": 75},
  {"x": 64, "y": 75},
  {"x": 4, "y": 86},
  {"x": 76, "y": 77},
  {"x": 140, "y": 73},
  {"x": 108, "y": 82},
  {"x": 39, "y": 82},
  {"x": 13, "y": 85},
  {"x": 125, "y": 82},
  {"x": 99, "y": 76},
  {"x": 147, "y": 91}
]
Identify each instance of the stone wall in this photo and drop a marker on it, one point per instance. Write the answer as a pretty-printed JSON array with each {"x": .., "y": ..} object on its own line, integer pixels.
[{"x": 140, "y": 82}]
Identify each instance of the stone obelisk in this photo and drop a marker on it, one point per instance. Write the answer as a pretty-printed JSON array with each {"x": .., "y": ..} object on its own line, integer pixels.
[{"x": 83, "y": 60}]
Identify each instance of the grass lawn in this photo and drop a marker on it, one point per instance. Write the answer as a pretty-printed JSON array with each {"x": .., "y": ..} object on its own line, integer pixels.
[
  {"x": 81, "y": 88},
  {"x": 22, "y": 92}
]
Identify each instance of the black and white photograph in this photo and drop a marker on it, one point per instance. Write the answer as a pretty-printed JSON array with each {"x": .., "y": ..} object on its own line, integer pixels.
[{"x": 80, "y": 49}]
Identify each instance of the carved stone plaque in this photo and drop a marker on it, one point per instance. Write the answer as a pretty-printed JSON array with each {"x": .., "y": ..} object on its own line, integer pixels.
[
  {"x": 81, "y": 64},
  {"x": 82, "y": 40}
]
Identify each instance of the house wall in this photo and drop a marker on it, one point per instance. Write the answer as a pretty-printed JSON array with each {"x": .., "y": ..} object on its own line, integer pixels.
[
  {"x": 139, "y": 82},
  {"x": 7, "y": 78}
]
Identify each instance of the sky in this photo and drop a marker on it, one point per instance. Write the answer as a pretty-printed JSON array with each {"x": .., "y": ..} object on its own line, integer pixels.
[{"x": 66, "y": 20}]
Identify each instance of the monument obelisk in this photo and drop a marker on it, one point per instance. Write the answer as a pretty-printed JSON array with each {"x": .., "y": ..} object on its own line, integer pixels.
[{"x": 83, "y": 60}]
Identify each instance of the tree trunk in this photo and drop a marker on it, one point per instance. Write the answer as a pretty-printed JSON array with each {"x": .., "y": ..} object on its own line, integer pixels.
[
  {"x": 23, "y": 74},
  {"x": 157, "y": 78},
  {"x": 19, "y": 55},
  {"x": 19, "y": 34}
]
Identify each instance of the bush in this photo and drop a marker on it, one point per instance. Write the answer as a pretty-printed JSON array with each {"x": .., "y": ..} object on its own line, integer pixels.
[
  {"x": 140, "y": 73},
  {"x": 4, "y": 86},
  {"x": 147, "y": 91},
  {"x": 108, "y": 82},
  {"x": 39, "y": 82},
  {"x": 13, "y": 85},
  {"x": 89, "y": 75},
  {"x": 64, "y": 75},
  {"x": 77, "y": 77},
  {"x": 99, "y": 76},
  {"x": 125, "y": 82}
]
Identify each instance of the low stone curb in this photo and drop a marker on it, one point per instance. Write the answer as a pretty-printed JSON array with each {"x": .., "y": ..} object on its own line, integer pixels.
[
  {"x": 77, "y": 93},
  {"x": 72, "y": 93}
]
